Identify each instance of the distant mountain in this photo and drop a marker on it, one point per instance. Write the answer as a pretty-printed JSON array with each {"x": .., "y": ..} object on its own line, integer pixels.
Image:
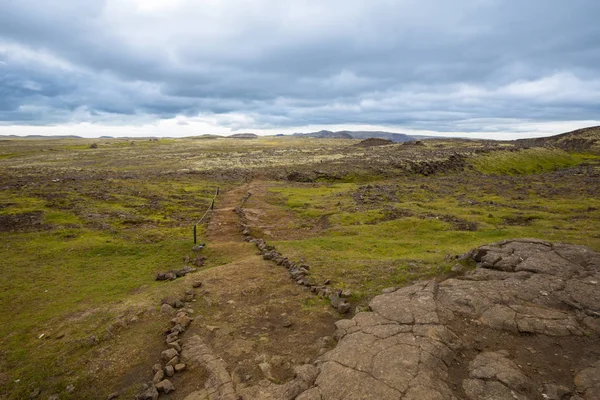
[
  {"x": 394, "y": 137},
  {"x": 586, "y": 139},
  {"x": 40, "y": 137}
]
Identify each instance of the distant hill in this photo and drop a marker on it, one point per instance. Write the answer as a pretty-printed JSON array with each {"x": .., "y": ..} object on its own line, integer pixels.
[
  {"x": 394, "y": 137},
  {"x": 205, "y": 136},
  {"x": 586, "y": 139},
  {"x": 244, "y": 136}
]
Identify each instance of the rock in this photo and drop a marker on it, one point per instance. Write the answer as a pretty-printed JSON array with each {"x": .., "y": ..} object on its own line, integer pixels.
[
  {"x": 335, "y": 300},
  {"x": 389, "y": 290},
  {"x": 158, "y": 376},
  {"x": 113, "y": 395},
  {"x": 168, "y": 354},
  {"x": 53, "y": 397},
  {"x": 457, "y": 268},
  {"x": 587, "y": 382},
  {"x": 174, "y": 345},
  {"x": 555, "y": 392},
  {"x": 166, "y": 309},
  {"x": 494, "y": 376},
  {"x": 165, "y": 386},
  {"x": 70, "y": 388},
  {"x": 174, "y": 361},
  {"x": 35, "y": 393},
  {"x": 177, "y": 329},
  {"x": 149, "y": 392},
  {"x": 266, "y": 370},
  {"x": 343, "y": 307},
  {"x": 179, "y": 367},
  {"x": 346, "y": 293},
  {"x": 172, "y": 337},
  {"x": 197, "y": 284},
  {"x": 178, "y": 304},
  {"x": 156, "y": 368},
  {"x": 169, "y": 370}
]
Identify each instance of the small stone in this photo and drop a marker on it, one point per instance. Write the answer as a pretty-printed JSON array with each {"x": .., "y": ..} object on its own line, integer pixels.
[
  {"x": 457, "y": 268},
  {"x": 172, "y": 337},
  {"x": 335, "y": 300},
  {"x": 156, "y": 367},
  {"x": 53, "y": 397},
  {"x": 166, "y": 309},
  {"x": 113, "y": 395},
  {"x": 212, "y": 328},
  {"x": 149, "y": 392},
  {"x": 266, "y": 370},
  {"x": 174, "y": 361},
  {"x": 169, "y": 354},
  {"x": 169, "y": 370},
  {"x": 389, "y": 290},
  {"x": 35, "y": 393},
  {"x": 346, "y": 293},
  {"x": 70, "y": 388},
  {"x": 327, "y": 282},
  {"x": 165, "y": 386},
  {"x": 555, "y": 392},
  {"x": 197, "y": 284},
  {"x": 287, "y": 323},
  {"x": 175, "y": 345},
  {"x": 178, "y": 304},
  {"x": 158, "y": 376},
  {"x": 179, "y": 367},
  {"x": 177, "y": 329},
  {"x": 343, "y": 307}
]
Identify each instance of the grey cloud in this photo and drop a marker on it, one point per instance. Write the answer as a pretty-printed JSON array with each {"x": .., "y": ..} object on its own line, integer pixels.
[{"x": 436, "y": 65}]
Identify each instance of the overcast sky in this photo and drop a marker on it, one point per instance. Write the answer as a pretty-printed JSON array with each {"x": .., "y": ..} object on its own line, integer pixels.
[{"x": 492, "y": 68}]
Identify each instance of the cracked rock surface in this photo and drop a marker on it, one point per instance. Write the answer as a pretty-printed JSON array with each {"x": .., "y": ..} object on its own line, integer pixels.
[{"x": 523, "y": 325}]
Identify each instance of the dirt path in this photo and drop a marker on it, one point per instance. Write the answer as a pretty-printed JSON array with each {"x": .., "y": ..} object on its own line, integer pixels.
[{"x": 250, "y": 313}]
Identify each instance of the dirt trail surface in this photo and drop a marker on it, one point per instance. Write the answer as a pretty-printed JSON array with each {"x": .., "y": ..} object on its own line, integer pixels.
[{"x": 252, "y": 323}]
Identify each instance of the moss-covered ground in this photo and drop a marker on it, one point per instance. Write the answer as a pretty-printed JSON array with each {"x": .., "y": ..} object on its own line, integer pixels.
[{"x": 84, "y": 230}]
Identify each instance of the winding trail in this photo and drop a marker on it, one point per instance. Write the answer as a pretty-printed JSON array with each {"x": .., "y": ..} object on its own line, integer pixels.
[{"x": 252, "y": 322}]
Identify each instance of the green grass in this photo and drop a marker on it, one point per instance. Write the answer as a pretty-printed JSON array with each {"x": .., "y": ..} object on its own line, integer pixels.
[
  {"x": 99, "y": 242},
  {"x": 526, "y": 161},
  {"x": 403, "y": 229}
]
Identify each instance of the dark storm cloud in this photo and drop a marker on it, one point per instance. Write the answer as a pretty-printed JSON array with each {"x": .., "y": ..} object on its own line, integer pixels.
[{"x": 437, "y": 65}]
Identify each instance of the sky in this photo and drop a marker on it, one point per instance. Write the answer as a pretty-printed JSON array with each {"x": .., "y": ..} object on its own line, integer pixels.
[{"x": 499, "y": 69}]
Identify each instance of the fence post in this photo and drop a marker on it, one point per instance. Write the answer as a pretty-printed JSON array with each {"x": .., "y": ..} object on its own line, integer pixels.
[{"x": 194, "y": 234}]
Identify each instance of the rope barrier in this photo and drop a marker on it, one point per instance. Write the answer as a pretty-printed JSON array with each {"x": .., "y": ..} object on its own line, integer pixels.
[{"x": 210, "y": 208}]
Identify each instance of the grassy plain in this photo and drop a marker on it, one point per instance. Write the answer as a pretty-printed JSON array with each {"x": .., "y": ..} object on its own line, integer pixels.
[{"x": 84, "y": 230}]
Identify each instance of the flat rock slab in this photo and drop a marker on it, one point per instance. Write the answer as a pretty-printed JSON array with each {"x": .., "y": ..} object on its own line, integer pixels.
[{"x": 408, "y": 345}]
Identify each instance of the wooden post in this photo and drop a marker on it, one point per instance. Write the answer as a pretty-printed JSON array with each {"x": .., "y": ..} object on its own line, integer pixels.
[{"x": 194, "y": 234}]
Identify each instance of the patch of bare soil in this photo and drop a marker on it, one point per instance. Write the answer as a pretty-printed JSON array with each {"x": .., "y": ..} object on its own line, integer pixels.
[{"x": 22, "y": 222}]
